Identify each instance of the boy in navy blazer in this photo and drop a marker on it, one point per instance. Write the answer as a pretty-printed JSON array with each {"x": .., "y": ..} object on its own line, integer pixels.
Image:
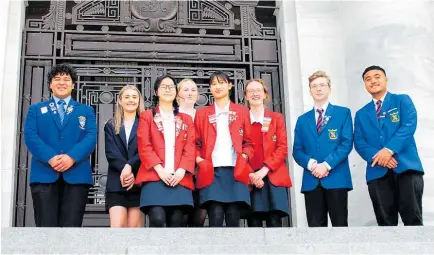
[
  {"x": 323, "y": 140},
  {"x": 60, "y": 134},
  {"x": 384, "y": 137}
]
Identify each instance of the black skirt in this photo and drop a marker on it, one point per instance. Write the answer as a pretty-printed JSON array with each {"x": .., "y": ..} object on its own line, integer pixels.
[{"x": 125, "y": 199}]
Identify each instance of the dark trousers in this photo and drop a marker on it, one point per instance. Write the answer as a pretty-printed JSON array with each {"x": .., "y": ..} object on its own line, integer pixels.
[
  {"x": 59, "y": 204},
  {"x": 397, "y": 193},
  {"x": 320, "y": 202}
]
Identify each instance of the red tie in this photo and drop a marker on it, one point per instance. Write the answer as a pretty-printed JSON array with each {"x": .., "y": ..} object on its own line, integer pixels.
[
  {"x": 378, "y": 111},
  {"x": 319, "y": 121}
]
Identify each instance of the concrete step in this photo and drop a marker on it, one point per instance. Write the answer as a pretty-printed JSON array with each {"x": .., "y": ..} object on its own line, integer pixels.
[{"x": 363, "y": 240}]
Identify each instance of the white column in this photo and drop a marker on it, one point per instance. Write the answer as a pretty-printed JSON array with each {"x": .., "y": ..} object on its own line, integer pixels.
[
  {"x": 287, "y": 26},
  {"x": 397, "y": 35},
  {"x": 12, "y": 19}
]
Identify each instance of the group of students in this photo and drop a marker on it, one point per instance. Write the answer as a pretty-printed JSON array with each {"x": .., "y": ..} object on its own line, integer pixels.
[{"x": 178, "y": 165}]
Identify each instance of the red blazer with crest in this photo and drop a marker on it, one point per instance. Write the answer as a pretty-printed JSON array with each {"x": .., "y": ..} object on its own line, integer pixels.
[
  {"x": 151, "y": 147},
  {"x": 206, "y": 133},
  {"x": 275, "y": 145}
]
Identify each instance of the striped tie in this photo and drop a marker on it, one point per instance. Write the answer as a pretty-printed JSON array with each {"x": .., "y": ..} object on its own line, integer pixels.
[
  {"x": 378, "y": 111},
  {"x": 319, "y": 121},
  {"x": 61, "y": 110}
]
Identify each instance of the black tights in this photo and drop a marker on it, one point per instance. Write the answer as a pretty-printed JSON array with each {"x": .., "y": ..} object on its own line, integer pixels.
[
  {"x": 273, "y": 220},
  {"x": 158, "y": 215},
  {"x": 217, "y": 212}
]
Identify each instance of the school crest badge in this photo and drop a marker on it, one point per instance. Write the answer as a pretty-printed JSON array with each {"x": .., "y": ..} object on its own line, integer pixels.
[
  {"x": 69, "y": 109},
  {"x": 333, "y": 134},
  {"x": 394, "y": 117},
  {"x": 82, "y": 122}
]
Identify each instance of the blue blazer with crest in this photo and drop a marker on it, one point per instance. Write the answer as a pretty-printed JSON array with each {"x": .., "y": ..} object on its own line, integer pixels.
[
  {"x": 119, "y": 153},
  {"x": 45, "y": 138},
  {"x": 333, "y": 144},
  {"x": 395, "y": 131}
]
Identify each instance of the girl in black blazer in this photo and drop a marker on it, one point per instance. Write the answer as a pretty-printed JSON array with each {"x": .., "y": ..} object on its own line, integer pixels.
[{"x": 122, "y": 197}]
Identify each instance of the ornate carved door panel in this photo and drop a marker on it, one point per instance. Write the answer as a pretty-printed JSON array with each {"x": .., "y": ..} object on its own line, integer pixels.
[{"x": 113, "y": 43}]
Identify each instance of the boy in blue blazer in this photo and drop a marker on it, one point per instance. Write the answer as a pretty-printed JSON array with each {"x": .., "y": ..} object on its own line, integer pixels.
[
  {"x": 323, "y": 140},
  {"x": 60, "y": 134},
  {"x": 384, "y": 137}
]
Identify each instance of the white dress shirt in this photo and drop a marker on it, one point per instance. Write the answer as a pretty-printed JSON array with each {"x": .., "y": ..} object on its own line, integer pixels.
[
  {"x": 169, "y": 140},
  {"x": 260, "y": 118},
  {"x": 128, "y": 125},
  {"x": 224, "y": 152},
  {"x": 382, "y": 102},
  {"x": 313, "y": 161}
]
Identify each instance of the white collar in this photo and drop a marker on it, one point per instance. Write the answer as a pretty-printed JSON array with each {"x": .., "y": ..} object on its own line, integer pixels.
[
  {"x": 224, "y": 110},
  {"x": 382, "y": 99},
  {"x": 324, "y": 107},
  {"x": 165, "y": 116},
  {"x": 260, "y": 118}
]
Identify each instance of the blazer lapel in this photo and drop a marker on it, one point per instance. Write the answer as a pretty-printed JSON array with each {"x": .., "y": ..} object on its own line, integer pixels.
[
  {"x": 133, "y": 129},
  {"x": 311, "y": 122},
  {"x": 385, "y": 107},
  {"x": 326, "y": 118},
  {"x": 371, "y": 112},
  {"x": 123, "y": 136},
  {"x": 267, "y": 114},
  {"x": 69, "y": 112},
  {"x": 54, "y": 113},
  {"x": 158, "y": 120},
  {"x": 212, "y": 118}
]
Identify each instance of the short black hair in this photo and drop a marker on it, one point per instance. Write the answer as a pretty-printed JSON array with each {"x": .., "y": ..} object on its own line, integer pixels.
[
  {"x": 219, "y": 76},
  {"x": 157, "y": 84},
  {"x": 62, "y": 69},
  {"x": 372, "y": 68}
]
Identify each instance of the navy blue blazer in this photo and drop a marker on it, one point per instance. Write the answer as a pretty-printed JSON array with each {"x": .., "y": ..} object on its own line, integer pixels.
[
  {"x": 45, "y": 138},
  {"x": 395, "y": 131},
  {"x": 333, "y": 144},
  {"x": 119, "y": 153}
]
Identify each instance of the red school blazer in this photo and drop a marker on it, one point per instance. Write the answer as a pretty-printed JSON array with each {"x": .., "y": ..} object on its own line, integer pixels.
[
  {"x": 206, "y": 133},
  {"x": 151, "y": 147},
  {"x": 275, "y": 145}
]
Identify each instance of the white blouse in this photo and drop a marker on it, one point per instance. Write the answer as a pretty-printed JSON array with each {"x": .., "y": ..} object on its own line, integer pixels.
[
  {"x": 128, "y": 125},
  {"x": 169, "y": 140}
]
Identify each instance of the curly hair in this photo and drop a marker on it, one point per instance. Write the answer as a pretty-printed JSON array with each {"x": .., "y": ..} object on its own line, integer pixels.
[{"x": 62, "y": 69}]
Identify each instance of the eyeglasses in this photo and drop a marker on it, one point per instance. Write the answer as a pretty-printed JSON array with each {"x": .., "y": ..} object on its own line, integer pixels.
[
  {"x": 167, "y": 87},
  {"x": 253, "y": 91},
  {"x": 321, "y": 85}
]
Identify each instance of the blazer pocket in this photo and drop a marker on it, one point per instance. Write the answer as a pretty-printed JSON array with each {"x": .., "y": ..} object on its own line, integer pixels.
[{"x": 205, "y": 169}]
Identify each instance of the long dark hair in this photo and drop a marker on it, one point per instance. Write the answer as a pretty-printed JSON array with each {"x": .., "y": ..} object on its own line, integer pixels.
[{"x": 155, "y": 98}]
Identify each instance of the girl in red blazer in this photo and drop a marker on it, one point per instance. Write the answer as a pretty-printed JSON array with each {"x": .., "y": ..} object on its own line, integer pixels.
[
  {"x": 271, "y": 177},
  {"x": 166, "y": 150},
  {"x": 188, "y": 94},
  {"x": 224, "y": 146}
]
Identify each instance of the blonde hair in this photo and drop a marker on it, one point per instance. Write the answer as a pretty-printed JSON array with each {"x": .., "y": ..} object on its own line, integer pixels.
[
  {"x": 319, "y": 74},
  {"x": 179, "y": 87},
  {"x": 119, "y": 111},
  {"x": 261, "y": 81}
]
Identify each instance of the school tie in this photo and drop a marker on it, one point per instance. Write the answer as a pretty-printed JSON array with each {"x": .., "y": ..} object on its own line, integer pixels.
[
  {"x": 378, "y": 111},
  {"x": 61, "y": 110},
  {"x": 319, "y": 121}
]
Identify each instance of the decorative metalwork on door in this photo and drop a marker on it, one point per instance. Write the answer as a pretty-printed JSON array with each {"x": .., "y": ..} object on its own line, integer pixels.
[{"x": 112, "y": 43}]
